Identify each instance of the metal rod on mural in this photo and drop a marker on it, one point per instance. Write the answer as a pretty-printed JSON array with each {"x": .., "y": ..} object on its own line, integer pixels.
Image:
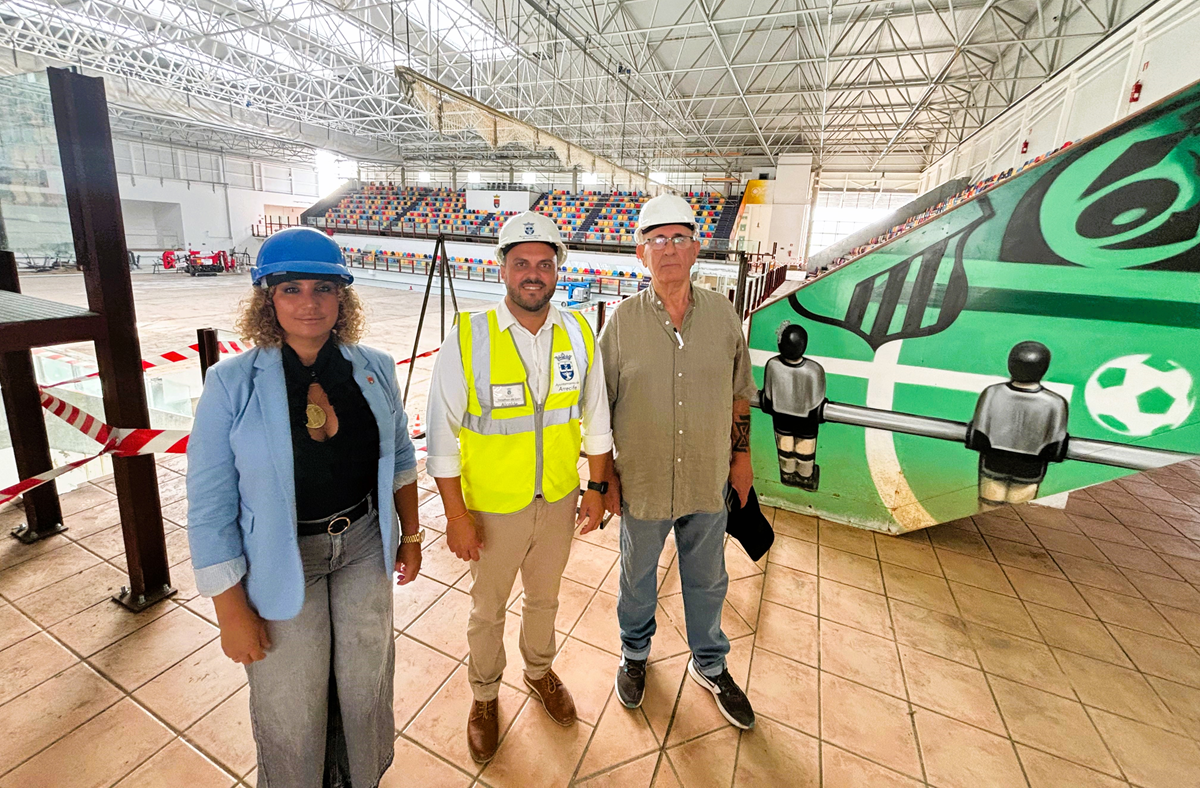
[
  {"x": 1119, "y": 455},
  {"x": 858, "y": 416}
]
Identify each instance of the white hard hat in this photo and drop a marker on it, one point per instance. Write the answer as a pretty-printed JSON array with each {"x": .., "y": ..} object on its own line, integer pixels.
[
  {"x": 530, "y": 227},
  {"x": 664, "y": 209}
]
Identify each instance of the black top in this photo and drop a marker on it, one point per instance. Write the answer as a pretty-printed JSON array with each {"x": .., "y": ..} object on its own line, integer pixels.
[{"x": 337, "y": 473}]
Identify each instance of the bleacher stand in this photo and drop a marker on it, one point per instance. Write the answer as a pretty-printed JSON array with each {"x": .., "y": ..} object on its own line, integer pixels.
[
  {"x": 601, "y": 280},
  {"x": 444, "y": 210},
  {"x": 569, "y": 210},
  {"x": 492, "y": 227},
  {"x": 708, "y": 207},
  {"x": 913, "y": 221},
  {"x": 596, "y": 216},
  {"x": 617, "y": 219},
  {"x": 377, "y": 202}
]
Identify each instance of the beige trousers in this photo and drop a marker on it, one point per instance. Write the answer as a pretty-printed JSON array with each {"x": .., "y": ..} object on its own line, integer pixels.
[{"x": 536, "y": 541}]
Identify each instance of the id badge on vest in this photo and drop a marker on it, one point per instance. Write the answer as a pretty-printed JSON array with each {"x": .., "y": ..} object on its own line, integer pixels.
[
  {"x": 510, "y": 395},
  {"x": 565, "y": 376}
]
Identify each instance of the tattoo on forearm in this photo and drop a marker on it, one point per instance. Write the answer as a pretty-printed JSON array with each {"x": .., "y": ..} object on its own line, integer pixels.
[{"x": 741, "y": 432}]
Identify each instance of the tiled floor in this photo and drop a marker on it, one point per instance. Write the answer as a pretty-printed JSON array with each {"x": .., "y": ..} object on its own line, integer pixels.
[{"x": 1029, "y": 646}]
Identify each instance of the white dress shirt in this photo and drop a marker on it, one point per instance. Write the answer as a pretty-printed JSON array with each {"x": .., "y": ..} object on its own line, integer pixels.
[{"x": 448, "y": 392}]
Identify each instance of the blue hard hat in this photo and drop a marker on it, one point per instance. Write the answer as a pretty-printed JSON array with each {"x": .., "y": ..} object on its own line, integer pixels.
[{"x": 300, "y": 250}]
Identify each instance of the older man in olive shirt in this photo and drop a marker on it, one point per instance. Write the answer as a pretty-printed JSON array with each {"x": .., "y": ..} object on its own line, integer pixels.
[{"x": 679, "y": 386}]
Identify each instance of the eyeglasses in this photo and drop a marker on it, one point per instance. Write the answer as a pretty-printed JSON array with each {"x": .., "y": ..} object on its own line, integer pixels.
[{"x": 659, "y": 242}]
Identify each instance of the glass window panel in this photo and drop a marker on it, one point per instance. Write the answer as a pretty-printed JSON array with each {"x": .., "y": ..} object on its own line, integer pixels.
[{"x": 34, "y": 224}]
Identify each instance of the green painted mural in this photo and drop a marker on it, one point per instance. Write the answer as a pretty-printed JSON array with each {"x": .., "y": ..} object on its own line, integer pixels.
[{"x": 1038, "y": 338}]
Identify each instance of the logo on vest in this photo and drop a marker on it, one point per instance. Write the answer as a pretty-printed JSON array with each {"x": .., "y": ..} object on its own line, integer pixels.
[{"x": 565, "y": 378}]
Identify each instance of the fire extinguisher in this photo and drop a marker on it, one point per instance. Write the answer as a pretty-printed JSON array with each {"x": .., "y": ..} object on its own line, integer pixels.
[
  {"x": 1025, "y": 146},
  {"x": 1136, "y": 93}
]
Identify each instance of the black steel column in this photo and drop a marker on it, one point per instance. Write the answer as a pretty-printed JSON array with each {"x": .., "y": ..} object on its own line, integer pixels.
[
  {"x": 27, "y": 428},
  {"x": 94, "y": 204},
  {"x": 739, "y": 297},
  {"x": 208, "y": 348}
]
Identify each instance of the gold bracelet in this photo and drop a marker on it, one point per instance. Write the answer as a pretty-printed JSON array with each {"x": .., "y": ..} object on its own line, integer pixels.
[{"x": 458, "y": 516}]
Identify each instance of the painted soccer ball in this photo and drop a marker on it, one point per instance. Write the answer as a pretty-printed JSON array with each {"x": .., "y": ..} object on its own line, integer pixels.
[{"x": 1139, "y": 395}]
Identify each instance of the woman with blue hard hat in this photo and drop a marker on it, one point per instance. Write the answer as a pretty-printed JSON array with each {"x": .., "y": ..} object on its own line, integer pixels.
[{"x": 301, "y": 478}]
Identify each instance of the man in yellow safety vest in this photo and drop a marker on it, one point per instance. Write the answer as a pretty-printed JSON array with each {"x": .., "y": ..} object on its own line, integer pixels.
[{"x": 516, "y": 391}]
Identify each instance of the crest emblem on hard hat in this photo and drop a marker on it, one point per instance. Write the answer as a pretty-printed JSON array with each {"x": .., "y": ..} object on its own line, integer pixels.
[{"x": 529, "y": 228}]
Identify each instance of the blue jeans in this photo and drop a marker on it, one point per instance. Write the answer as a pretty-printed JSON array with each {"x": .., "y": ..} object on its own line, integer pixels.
[
  {"x": 342, "y": 636},
  {"x": 700, "y": 543}
]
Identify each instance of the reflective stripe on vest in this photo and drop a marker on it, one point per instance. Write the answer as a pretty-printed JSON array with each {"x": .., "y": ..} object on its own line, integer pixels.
[{"x": 512, "y": 447}]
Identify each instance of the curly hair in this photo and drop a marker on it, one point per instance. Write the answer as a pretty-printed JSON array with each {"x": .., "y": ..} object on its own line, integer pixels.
[{"x": 258, "y": 325}]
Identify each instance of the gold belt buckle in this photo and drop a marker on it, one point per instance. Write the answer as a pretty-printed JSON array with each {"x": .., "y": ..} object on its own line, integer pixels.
[{"x": 333, "y": 530}]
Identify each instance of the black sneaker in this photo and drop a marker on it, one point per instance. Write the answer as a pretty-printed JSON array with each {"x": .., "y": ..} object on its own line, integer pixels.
[
  {"x": 631, "y": 682},
  {"x": 731, "y": 701}
]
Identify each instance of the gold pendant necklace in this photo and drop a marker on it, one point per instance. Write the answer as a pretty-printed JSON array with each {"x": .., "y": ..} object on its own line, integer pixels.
[{"x": 316, "y": 416}]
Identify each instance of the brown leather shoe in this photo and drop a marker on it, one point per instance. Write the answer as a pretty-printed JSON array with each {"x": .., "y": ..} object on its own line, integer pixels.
[
  {"x": 555, "y": 698},
  {"x": 483, "y": 730}
]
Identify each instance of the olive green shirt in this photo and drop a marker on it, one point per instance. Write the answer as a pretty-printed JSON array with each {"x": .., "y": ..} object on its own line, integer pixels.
[{"x": 672, "y": 406}]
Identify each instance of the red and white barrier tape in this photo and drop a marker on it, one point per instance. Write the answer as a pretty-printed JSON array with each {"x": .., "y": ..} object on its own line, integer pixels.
[
  {"x": 124, "y": 442},
  {"x": 172, "y": 357},
  {"x": 84, "y": 422},
  {"x": 186, "y": 354},
  {"x": 25, "y": 485},
  {"x": 426, "y": 354},
  {"x": 190, "y": 352},
  {"x": 117, "y": 442}
]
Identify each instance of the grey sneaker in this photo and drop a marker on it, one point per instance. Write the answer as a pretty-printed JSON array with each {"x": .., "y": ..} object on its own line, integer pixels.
[
  {"x": 731, "y": 701},
  {"x": 631, "y": 682}
]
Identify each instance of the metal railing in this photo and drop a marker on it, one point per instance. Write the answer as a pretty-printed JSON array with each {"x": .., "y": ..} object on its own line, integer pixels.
[
  {"x": 620, "y": 286},
  {"x": 267, "y": 227},
  {"x": 760, "y": 282},
  {"x": 591, "y": 240}
]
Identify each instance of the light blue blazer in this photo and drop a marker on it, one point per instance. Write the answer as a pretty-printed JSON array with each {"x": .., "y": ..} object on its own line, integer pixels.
[{"x": 241, "y": 484}]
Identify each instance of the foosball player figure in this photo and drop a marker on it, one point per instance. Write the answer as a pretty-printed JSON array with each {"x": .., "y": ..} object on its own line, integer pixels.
[
  {"x": 1019, "y": 428},
  {"x": 792, "y": 394}
]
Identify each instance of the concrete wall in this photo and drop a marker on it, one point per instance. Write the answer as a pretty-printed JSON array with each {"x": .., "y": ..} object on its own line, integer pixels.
[
  {"x": 791, "y": 209},
  {"x": 1157, "y": 48},
  {"x": 218, "y": 198},
  {"x": 152, "y": 225},
  {"x": 778, "y": 218},
  {"x": 212, "y": 215},
  {"x": 481, "y": 200}
]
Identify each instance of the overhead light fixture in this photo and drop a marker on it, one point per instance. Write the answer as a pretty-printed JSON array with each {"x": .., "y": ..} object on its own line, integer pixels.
[{"x": 473, "y": 177}]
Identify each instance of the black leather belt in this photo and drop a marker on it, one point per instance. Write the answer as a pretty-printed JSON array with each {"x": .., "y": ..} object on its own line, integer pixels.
[{"x": 335, "y": 523}]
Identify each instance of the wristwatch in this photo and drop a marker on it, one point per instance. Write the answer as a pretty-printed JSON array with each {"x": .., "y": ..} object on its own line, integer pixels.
[
  {"x": 600, "y": 487},
  {"x": 418, "y": 537}
]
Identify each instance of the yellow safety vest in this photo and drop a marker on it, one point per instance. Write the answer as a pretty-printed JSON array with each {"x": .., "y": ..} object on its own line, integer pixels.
[{"x": 513, "y": 448}]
